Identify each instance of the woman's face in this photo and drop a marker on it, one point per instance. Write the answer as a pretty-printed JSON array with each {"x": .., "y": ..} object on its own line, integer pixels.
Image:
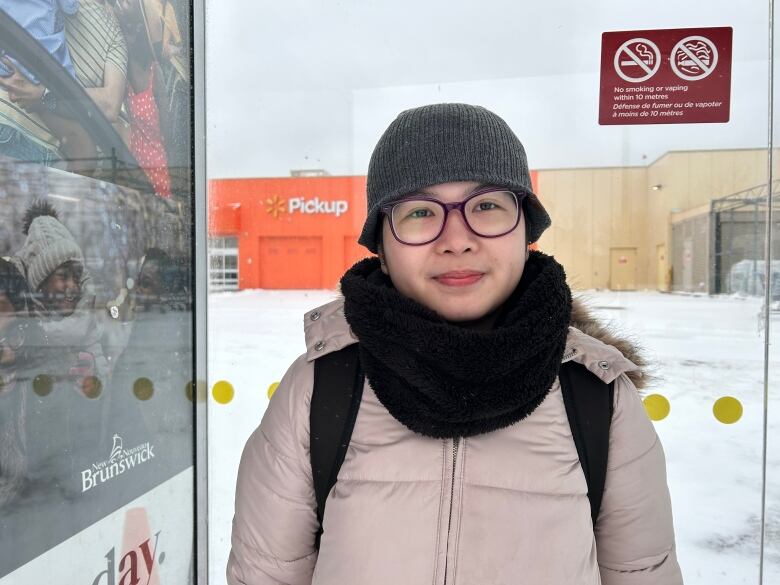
[
  {"x": 461, "y": 276},
  {"x": 61, "y": 291},
  {"x": 130, "y": 18}
]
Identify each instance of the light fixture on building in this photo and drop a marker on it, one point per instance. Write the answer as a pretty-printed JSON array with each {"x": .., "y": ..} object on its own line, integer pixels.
[
  {"x": 656, "y": 187},
  {"x": 309, "y": 173}
]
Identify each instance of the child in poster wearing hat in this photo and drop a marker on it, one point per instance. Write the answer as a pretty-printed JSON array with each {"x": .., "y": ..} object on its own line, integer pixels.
[
  {"x": 53, "y": 265},
  {"x": 461, "y": 467}
]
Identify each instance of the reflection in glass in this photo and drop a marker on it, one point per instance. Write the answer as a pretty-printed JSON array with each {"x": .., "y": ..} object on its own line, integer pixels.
[{"x": 95, "y": 291}]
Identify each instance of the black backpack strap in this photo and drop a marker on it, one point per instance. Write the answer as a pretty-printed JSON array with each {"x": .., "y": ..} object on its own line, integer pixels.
[
  {"x": 589, "y": 406},
  {"x": 335, "y": 400}
]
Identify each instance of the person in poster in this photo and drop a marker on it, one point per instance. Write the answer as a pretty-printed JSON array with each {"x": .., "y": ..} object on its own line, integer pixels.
[{"x": 54, "y": 267}]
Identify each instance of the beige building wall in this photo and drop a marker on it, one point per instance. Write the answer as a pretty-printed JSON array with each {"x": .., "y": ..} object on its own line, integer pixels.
[
  {"x": 593, "y": 211},
  {"x": 597, "y": 210},
  {"x": 692, "y": 179}
]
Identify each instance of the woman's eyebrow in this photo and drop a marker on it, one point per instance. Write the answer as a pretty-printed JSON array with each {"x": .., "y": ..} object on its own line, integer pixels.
[{"x": 485, "y": 186}]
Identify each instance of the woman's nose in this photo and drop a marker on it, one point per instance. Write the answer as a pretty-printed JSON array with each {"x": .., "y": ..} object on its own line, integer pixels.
[
  {"x": 72, "y": 285},
  {"x": 457, "y": 237}
]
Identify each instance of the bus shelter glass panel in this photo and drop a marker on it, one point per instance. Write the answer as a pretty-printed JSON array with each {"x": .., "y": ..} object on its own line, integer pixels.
[
  {"x": 661, "y": 227},
  {"x": 96, "y": 349}
]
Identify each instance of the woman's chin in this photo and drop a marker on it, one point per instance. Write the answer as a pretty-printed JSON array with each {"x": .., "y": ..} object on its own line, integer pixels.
[
  {"x": 461, "y": 314},
  {"x": 64, "y": 309}
]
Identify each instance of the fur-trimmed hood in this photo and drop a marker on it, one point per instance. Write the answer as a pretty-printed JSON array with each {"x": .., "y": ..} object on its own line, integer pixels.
[
  {"x": 583, "y": 320},
  {"x": 590, "y": 342}
]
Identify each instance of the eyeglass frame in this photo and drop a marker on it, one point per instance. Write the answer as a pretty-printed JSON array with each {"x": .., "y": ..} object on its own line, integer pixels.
[{"x": 520, "y": 196}]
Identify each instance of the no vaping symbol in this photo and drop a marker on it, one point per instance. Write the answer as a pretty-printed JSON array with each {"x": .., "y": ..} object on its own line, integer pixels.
[{"x": 694, "y": 58}]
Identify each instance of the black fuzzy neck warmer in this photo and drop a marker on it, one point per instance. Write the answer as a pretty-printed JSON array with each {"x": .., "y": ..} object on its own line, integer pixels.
[{"x": 443, "y": 380}]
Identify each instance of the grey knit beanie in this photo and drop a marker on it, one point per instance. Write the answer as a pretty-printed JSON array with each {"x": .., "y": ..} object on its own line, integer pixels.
[
  {"x": 441, "y": 143},
  {"x": 49, "y": 244}
]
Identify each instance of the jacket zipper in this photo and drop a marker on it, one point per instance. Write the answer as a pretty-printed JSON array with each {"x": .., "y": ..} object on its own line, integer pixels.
[
  {"x": 452, "y": 499},
  {"x": 569, "y": 355}
]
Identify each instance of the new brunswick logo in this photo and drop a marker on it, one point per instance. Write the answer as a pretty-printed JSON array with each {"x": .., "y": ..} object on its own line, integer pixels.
[
  {"x": 119, "y": 461},
  {"x": 116, "y": 449}
]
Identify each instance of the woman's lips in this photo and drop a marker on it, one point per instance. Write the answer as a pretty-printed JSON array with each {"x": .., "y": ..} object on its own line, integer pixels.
[{"x": 459, "y": 277}]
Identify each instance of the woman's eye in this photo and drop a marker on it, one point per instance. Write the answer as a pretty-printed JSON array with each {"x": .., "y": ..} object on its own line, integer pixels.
[
  {"x": 486, "y": 206},
  {"x": 419, "y": 213}
]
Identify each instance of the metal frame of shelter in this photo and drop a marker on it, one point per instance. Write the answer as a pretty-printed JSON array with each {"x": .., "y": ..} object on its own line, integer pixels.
[{"x": 724, "y": 211}]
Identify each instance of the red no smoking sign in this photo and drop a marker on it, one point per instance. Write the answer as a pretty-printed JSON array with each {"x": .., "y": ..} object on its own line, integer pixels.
[{"x": 669, "y": 76}]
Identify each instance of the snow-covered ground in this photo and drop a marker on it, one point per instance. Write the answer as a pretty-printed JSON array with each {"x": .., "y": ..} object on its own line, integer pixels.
[{"x": 704, "y": 348}]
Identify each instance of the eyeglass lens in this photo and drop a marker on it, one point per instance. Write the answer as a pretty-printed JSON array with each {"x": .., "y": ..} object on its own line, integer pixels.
[{"x": 490, "y": 214}]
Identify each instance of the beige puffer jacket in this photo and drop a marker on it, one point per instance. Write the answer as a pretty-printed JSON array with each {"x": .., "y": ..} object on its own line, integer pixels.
[{"x": 506, "y": 507}]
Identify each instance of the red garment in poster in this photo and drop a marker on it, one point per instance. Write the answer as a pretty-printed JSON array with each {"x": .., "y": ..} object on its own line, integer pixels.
[{"x": 146, "y": 142}]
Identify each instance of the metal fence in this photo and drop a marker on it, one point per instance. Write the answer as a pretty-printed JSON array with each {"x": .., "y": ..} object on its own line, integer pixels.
[{"x": 722, "y": 251}]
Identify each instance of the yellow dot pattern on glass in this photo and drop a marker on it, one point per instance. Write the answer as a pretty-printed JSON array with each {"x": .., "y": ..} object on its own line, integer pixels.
[
  {"x": 657, "y": 407},
  {"x": 143, "y": 388},
  {"x": 42, "y": 385},
  {"x": 91, "y": 386},
  {"x": 200, "y": 391},
  {"x": 727, "y": 410},
  {"x": 223, "y": 392},
  {"x": 271, "y": 389}
]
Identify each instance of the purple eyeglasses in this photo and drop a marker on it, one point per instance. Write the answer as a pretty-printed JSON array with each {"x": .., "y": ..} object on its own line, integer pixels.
[{"x": 489, "y": 213}]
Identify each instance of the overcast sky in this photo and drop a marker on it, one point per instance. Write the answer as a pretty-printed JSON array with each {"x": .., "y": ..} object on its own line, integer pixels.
[{"x": 312, "y": 84}]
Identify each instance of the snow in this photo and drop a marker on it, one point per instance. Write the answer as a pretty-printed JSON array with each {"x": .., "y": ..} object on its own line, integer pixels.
[{"x": 703, "y": 348}]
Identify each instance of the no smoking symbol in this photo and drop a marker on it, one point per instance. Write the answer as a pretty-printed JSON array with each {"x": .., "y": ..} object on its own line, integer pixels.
[
  {"x": 694, "y": 58},
  {"x": 637, "y": 60}
]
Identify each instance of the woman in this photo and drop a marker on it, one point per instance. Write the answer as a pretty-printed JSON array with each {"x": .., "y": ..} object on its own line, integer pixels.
[
  {"x": 145, "y": 94},
  {"x": 461, "y": 467}
]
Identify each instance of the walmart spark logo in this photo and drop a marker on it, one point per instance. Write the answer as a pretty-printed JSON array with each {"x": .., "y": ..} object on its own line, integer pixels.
[{"x": 276, "y": 206}]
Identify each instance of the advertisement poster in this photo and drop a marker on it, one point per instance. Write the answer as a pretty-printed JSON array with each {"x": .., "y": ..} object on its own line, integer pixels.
[{"x": 95, "y": 399}]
